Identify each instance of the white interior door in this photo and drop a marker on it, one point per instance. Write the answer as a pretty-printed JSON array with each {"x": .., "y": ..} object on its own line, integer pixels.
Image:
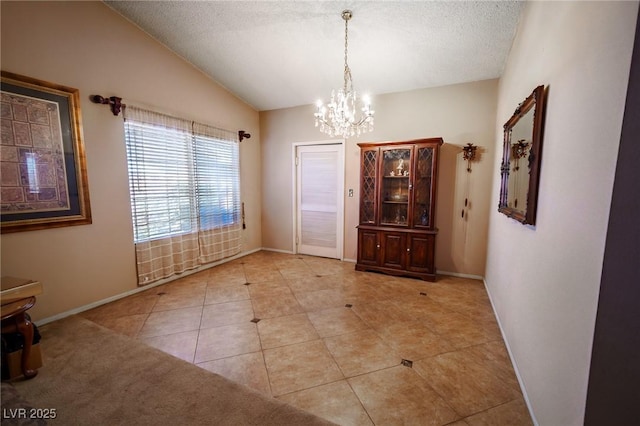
[{"x": 319, "y": 200}]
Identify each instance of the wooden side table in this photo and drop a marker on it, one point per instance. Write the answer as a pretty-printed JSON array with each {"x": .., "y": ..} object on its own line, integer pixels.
[
  {"x": 14, "y": 319},
  {"x": 17, "y": 296}
]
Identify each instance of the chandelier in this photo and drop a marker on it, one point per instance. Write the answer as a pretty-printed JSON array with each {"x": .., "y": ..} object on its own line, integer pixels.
[{"x": 345, "y": 115}]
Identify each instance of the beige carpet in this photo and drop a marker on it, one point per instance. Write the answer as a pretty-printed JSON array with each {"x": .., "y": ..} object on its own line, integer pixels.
[{"x": 92, "y": 376}]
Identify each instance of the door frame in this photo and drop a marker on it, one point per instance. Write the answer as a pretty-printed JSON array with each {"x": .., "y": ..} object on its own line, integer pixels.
[{"x": 341, "y": 143}]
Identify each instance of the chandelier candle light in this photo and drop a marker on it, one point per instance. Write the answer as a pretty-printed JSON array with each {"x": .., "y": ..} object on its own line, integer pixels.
[{"x": 345, "y": 115}]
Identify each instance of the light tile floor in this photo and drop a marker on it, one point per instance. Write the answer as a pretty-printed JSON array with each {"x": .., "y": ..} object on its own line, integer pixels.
[{"x": 356, "y": 348}]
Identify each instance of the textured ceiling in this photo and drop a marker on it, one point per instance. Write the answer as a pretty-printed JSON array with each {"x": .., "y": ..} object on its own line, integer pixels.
[{"x": 278, "y": 54}]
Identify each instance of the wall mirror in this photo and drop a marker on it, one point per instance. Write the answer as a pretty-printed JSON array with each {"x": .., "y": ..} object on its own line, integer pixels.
[{"x": 520, "y": 167}]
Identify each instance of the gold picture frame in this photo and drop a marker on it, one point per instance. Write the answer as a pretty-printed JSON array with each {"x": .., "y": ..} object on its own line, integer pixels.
[{"x": 43, "y": 165}]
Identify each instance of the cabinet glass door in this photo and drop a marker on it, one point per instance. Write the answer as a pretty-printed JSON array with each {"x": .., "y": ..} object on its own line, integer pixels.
[
  {"x": 422, "y": 187},
  {"x": 396, "y": 167},
  {"x": 368, "y": 186}
]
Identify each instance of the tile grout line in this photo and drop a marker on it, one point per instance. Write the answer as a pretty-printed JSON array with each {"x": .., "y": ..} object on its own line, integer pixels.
[
  {"x": 253, "y": 309},
  {"x": 367, "y": 282}
]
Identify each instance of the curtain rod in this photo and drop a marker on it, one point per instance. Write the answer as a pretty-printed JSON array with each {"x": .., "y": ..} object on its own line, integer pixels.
[{"x": 116, "y": 105}]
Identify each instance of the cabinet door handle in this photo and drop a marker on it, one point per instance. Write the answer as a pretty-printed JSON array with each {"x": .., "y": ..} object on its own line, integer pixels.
[
  {"x": 408, "y": 249},
  {"x": 378, "y": 246}
]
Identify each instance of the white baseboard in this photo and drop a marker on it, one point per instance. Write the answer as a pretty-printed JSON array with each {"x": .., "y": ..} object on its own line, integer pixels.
[
  {"x": 278, "y": 250},
  {"x": 457, "y": 274},
  {"x": 513, "y": 363},
  {"x": 291, "y": 252},
  {"x": 140, "y": 289}
]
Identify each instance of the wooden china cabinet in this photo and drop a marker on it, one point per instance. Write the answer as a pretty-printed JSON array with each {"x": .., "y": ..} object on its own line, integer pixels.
[{"x": 397, "y": 233}]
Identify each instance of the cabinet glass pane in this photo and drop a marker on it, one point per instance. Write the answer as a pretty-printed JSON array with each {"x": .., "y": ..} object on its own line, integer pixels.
[
  {"x": 422, "y": 187},
  {"x": 368, "y": 189},
  {"x": 395, "y": 186}
]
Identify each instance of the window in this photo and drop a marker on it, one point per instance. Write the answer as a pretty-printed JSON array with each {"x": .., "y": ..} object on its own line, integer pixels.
[
  {"x": 161, "y": 181},
  {"x": 184, "y": 179},
  {"x": 217, "y": 182}
]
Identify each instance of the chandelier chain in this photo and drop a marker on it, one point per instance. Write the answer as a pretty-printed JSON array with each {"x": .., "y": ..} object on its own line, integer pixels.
[{"x": 347, "y": 71}]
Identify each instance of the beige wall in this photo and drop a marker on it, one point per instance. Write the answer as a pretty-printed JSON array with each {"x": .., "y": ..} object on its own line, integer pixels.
[
  {"x": 88, "y": 46},
  {"x": 544, "y": 281},
  {"x": 460, "y": 114}
]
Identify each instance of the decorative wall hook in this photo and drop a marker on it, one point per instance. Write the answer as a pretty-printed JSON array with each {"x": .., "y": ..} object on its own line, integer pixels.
[
  {"x": 243, "y": 135},
  {"x": 469, "y": 154},
  {"x": 114, "y": 102}
]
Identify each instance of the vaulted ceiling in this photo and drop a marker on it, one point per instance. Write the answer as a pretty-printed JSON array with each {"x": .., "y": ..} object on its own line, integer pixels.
[{"x": 279, "y": 54}]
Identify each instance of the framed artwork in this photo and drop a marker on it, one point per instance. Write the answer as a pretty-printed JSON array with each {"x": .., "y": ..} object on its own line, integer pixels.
[{"x": 43, "y": 167}]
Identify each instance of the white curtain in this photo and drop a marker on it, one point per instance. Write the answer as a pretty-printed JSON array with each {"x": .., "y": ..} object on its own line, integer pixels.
[{"x": 164, "y": 257}]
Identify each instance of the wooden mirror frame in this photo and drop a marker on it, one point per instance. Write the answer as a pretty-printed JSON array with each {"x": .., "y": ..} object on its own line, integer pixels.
[{"x": 536, "y": 102}]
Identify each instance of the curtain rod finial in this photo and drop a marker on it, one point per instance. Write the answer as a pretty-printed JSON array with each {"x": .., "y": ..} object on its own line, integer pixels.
[
  {"x": 114, "y": 102},
  {"x": 243, "y": 135}
]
